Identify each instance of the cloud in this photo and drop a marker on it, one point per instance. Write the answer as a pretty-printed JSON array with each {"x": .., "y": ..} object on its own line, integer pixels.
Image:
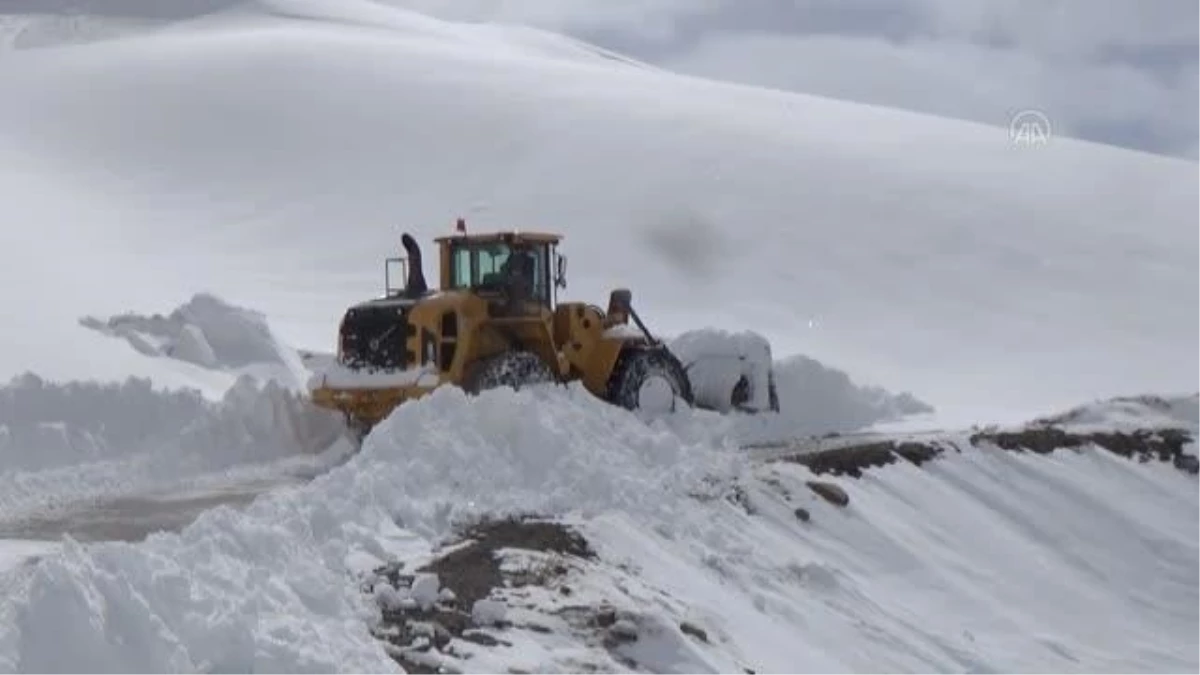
[
  {"x": 1116, "y": 71},
  {"x": 1110, "y": 102}
]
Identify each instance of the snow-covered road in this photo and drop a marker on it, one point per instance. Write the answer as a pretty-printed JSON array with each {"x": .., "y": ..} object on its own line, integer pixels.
[{"x": 133, "y": 517}]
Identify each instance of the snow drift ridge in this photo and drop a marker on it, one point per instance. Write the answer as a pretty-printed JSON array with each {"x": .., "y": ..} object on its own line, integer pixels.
[{"x": 675, "y": 513}]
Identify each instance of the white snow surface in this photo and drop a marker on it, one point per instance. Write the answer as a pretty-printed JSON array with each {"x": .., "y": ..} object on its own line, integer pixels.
[
  {"x": 15, "y": 552},
  {"x": 270, "y": 152},
  {"x": 956, "y": 565}
]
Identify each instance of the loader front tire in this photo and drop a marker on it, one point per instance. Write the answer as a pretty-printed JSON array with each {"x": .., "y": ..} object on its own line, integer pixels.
[
  {"x": 513, "y": 369},
  {"x": 649, "y": 379}
]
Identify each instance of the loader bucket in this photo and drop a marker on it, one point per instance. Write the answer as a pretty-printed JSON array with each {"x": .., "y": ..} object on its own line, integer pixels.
[{"x": 729, "y": 372}]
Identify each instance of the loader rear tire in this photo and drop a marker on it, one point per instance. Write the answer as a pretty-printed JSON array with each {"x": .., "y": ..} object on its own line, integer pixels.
[
  {"x": 513, "y": 369},
  {"x": 650, "y": 379}
]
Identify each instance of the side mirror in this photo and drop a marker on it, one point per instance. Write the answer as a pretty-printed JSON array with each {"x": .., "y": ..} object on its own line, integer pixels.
[{"x": 560, "y": 273}]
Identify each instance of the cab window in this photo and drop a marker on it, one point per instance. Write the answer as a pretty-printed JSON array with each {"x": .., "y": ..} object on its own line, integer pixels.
[
  {"x": 460, "y": 260},
  {"x": 491, "y": 259}
]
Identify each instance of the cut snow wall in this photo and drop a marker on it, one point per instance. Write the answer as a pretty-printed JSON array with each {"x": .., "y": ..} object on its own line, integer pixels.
[{"x": 63, "y": 442}]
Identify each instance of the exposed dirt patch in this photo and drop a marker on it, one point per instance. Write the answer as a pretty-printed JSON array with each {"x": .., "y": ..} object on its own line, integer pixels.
[
  {"x": 1164, "y": 445},
  {"x": 1144, "y": 445},
  {"x": 473, "y": 570},
  {"x": 851, "y": 460},
  {"x": 422, "y": 618}
]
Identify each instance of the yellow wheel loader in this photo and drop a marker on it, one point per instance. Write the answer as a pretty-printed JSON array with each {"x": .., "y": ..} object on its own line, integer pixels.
[{"x": 493, "y": 321}]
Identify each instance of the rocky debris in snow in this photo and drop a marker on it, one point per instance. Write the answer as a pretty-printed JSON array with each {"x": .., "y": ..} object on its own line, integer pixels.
[
  {"x": 1144, "y": 445},
  {"x": 802, "y": 514},
  {"x": 1167, "y": 445},
  {"x": 694, "y": 630},
  {"x": 740, "y": 497},
  {"x": 829, "y": 492},
  {"x": 472, "y": 570},
  {"x": 615, "y": 627},
  {"x": 424, "y": 612},
  {"x": 623, "y": 630},
  {"x": 850, "y": 460}
]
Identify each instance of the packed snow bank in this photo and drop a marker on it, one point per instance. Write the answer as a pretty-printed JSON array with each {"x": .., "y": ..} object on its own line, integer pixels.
[
  {"x": 213, "y": 334},
  {"x": 950, "y": 566},
  {"x": 62, "y": 443}
]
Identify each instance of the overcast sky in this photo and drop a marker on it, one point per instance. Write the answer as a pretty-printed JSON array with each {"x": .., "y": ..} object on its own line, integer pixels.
[{"x": 1117, "y": 71}]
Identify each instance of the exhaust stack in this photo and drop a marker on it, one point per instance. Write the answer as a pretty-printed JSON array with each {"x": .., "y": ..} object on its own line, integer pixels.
[{"x": 415, "y": 284}]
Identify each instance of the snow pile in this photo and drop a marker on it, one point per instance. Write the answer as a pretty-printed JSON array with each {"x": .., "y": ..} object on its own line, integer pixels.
[
  {"x": 817, "y": 398},
  {"x": 918, "y": 564},
  {"x": 213, "y": 334},
  {"x": 275, "y": 573},
  {"x": 813, "y": 398},
  {"x": 62, "y": 443},
  {"x": 550, "y": 449}
]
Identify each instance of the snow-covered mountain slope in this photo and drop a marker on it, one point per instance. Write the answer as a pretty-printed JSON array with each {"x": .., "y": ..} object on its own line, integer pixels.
[
  {"x": 696, "y": 558},
  {"x": 272, "y": 153},
  {"x": 269, "y": 153}
]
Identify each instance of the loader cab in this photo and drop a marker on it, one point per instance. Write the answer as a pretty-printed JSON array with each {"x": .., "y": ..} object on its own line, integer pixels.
[{"x": 525, "y": 265}]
